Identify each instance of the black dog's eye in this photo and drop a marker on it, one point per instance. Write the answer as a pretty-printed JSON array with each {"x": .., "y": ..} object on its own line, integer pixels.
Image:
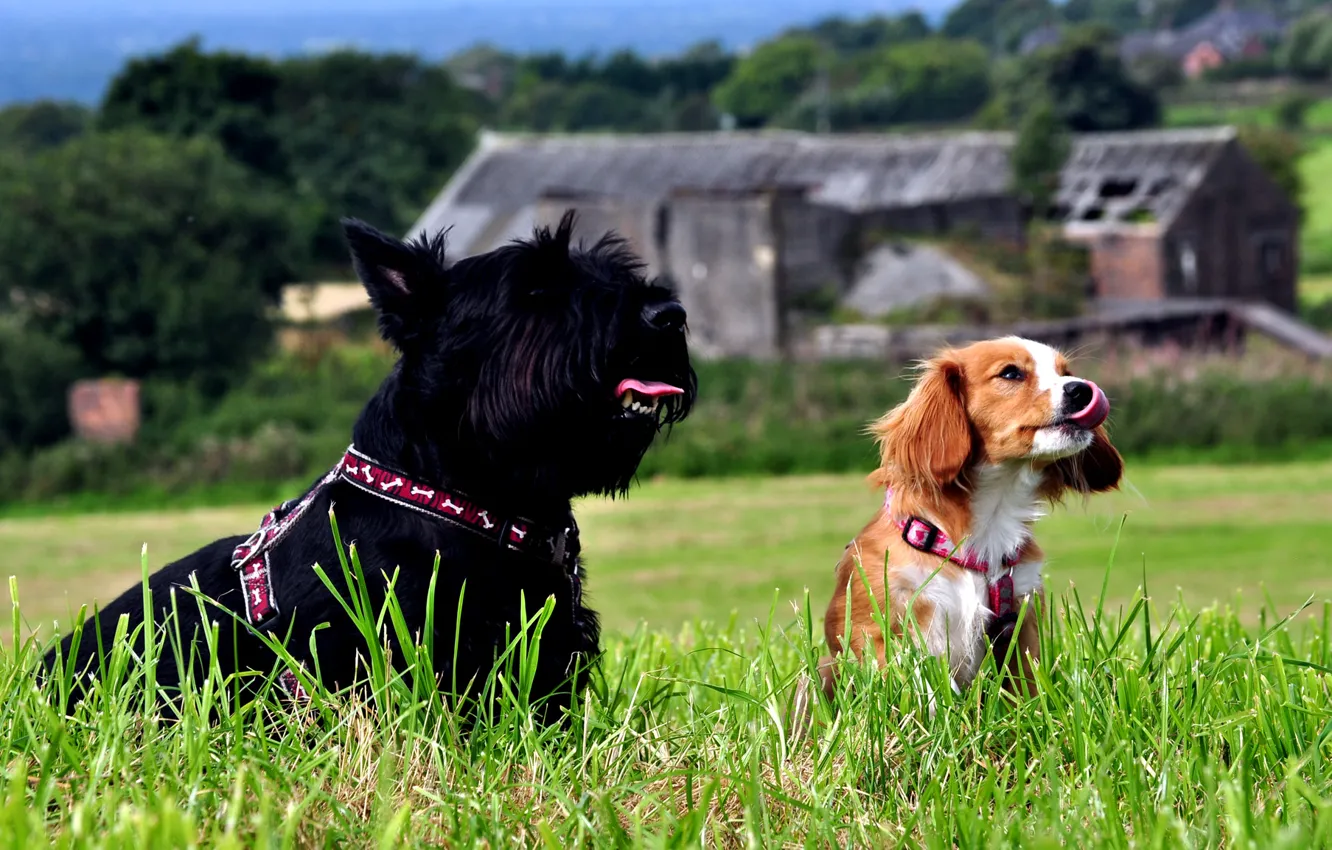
[{"x": 1011, "y": 373}]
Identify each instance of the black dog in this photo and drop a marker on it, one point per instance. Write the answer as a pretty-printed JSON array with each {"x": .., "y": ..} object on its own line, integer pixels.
[{"x": 528, "y": 376}]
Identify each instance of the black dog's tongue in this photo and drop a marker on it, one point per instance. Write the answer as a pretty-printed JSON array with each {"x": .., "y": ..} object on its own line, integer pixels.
[{"x": 651, "y": 389}]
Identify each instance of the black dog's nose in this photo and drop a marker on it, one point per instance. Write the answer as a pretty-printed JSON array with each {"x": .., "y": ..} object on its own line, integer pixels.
[
  {"x": 1077, "y": 395},
  {"x": 666, "y": 316}
]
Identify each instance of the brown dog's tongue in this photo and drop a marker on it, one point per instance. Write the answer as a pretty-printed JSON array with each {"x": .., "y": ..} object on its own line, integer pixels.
[{"x": 1096, "y": 411}]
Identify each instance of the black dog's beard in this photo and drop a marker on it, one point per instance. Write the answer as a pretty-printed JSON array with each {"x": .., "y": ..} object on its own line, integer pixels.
[
  {"x": 580, "y": 450},
  {"x": 626, "y": 444},
  {"x": 556, "y": 411}
]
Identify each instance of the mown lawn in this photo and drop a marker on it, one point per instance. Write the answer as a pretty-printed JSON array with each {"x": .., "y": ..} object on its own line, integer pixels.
[
  {"x": 1316, "y": 289},
  {"x": 679, "y": 550},
  {"x": 1316, "y": 229},
  {"x": 1178, "y": 729},
  {"x": 1317, "y": 119}
]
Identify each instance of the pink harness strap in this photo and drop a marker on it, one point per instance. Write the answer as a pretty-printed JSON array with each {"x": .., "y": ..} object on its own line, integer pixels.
[{"x": 251, "y": 561}]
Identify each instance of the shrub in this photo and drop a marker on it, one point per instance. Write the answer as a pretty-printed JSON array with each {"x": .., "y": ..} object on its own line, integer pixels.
[
  {"x": 1292, "y": 111},
  {"x": 35, "y": 373},
  {"x": 285, "y": 425}
]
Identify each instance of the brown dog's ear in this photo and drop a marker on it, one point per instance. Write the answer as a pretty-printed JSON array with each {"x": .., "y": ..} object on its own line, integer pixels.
[
  {"x": 1096, "y": 469},
  {"x": 925, "y": 442}
]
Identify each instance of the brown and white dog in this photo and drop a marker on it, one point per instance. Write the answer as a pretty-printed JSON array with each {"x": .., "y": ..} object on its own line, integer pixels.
[{"x": 989, "y": 436}]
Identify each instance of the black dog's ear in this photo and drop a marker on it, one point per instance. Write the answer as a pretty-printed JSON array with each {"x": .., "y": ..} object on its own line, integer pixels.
[
  {"x": 548, "y": 262},
  {"x": 396, "y": 275}
]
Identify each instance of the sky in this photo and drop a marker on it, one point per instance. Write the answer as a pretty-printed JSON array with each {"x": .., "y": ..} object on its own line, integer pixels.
[
  {"x": 69, "y": 49},
  {"x": 49, "y": 8}
]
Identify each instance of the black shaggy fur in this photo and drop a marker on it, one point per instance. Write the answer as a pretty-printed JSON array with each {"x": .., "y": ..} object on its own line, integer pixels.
[{"x": 505, "y": 390}]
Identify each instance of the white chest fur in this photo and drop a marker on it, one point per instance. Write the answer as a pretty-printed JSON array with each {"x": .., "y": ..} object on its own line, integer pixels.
[
  {"x": 960, "y": 603},
  {"x": 1004, "y": 505}
]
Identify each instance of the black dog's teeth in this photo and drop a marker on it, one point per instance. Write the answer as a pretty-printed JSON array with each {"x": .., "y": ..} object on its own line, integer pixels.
[{"x": 632, "y": 404}]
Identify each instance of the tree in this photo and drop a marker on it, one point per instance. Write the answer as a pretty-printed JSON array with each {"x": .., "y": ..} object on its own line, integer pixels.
[
  {"x": 186, "y": 92},
  {"x": 372, "y": 136},
  {"x": 535, "y": 106},
  {"x": 1307, "y": 49},
  {"x": 850, "y": 37},
  {"x": 32, "y": 127},
  {"x": 625, "y": 69},
  {"x": 999, "y": 24},
  {"x": 146, "y": 255},
  {"x": 598, "y": 106},
  {"x": 1122, "y": 16},
  {"x": 1084, "y": 79},
  {"x": 344, "y": 133},
  {"x": 698, "y": 70},
  {"x": 1039, "y": 152},
  {"x": 768, "y": 81},
  {"x": 937, "y": 79}
]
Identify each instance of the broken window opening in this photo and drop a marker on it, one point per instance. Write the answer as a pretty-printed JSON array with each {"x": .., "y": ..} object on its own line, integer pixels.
[{"x": 1116, "y": 188}]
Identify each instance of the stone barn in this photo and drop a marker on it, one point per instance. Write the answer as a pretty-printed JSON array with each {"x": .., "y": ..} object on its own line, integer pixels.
[
  {"x": 762, "y": 231},
  {"x": 1180, "y": 214}
]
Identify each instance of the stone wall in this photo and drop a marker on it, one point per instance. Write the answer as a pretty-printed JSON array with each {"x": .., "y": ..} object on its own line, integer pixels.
[{"x": 722, "y": 253}]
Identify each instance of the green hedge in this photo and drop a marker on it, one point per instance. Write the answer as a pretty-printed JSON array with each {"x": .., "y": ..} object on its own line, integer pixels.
[{"x": 291, "y": 419}]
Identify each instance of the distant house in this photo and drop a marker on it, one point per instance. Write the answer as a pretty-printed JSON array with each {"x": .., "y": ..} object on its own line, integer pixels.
[
  {"x": 754, "y": 229},
  {"x": 1223, "y": 36}
]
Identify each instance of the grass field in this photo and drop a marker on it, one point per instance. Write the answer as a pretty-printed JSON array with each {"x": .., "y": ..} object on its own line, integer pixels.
[
  {"x": 1316, "y": 290},
  {"x": 1316, "y": 230},
  {"x": 1318, "y": 119},
  {"x": 679, "y": 550},
  {"x": 1156, "y": 726}
]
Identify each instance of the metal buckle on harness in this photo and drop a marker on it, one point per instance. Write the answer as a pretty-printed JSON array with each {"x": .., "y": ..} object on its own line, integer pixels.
[{"x": 931, "y": 534}]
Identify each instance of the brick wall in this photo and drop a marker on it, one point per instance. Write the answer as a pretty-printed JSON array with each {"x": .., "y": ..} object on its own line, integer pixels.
[
  {"x": 1125, "y": 265},
  {"x": 105, "y": 411}
]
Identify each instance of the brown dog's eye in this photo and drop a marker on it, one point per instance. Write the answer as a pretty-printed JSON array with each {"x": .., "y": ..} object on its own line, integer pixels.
[{"x": 1011, "y": 373}]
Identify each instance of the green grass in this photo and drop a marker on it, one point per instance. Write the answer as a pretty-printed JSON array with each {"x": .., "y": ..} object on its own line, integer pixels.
[
  {"x": 1316, "y": 230},
  {"x": 1317, "y": 120},
  {"x": 1317, "y": 289},
  {"x": 678, "y": 550},
  {"x": 1193, "y": 732}
]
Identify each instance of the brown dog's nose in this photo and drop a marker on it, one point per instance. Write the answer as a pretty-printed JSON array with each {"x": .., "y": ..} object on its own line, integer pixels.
[
  {"x": 1077, "y": 395},
  {"x": 666, "y": 316}
]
